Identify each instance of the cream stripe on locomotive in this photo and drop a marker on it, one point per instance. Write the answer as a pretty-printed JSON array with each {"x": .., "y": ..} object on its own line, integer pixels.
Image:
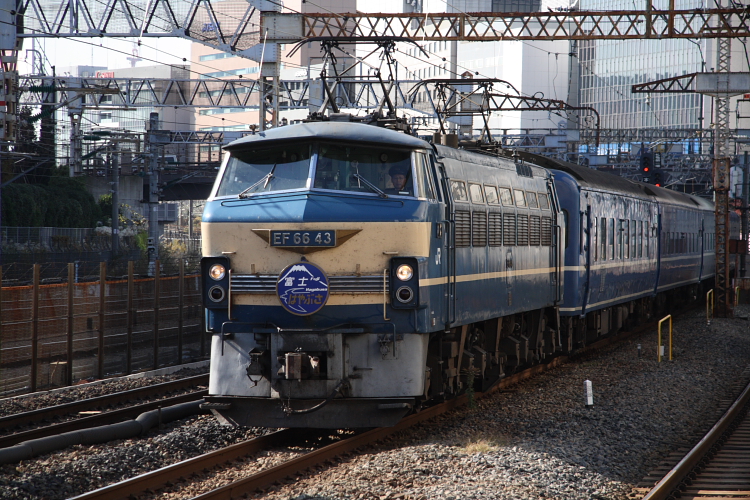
[{"x": 367, "y": 252}]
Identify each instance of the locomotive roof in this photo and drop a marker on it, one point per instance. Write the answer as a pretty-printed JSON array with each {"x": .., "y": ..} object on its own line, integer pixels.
[
  {"x": 603, "y": 180},
  {"x": 334, "y": 131},
  {"x": 487, "y": 160}
]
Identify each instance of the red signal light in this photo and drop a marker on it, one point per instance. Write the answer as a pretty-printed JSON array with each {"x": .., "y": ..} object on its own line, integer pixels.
[{"x": 646, "y": 169}]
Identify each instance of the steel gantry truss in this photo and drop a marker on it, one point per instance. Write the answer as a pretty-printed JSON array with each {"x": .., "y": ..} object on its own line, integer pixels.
[{"x": 239, "y": 32}]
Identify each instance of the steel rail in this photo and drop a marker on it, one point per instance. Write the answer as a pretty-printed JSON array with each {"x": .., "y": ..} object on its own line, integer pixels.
[
  {"x": 674, "y": 479},
  {"x": 159, "y": 478},
  {"x": 279, "y": 472},
  {"x": 109, "y": 417},
  {"x": 154, "y": 480},
  {"x": 10, "y": 421}
]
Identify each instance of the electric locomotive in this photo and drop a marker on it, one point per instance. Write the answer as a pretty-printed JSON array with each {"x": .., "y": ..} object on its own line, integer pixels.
[{"x": 353, "y": 273}]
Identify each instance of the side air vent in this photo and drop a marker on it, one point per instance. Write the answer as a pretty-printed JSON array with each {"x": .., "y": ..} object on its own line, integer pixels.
[
  {"x": 496, "y": 229},
  {"x": 524, "y": 170},
  {"x": 479, "y": 229},
  {"x": 522, "y": 229},
  {"x": 547, "y": 231},
  {"x": 534, "y": 230},
  {"x": 463, "y": 228},
  {"x": 509, "y": 229}
]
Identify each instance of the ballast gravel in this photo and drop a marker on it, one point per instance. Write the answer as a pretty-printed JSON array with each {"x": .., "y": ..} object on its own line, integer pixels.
[{"x": 534, "y": 440}]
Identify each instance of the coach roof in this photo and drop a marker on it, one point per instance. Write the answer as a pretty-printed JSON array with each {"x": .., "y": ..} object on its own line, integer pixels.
[{"x": 331, "y": 131}]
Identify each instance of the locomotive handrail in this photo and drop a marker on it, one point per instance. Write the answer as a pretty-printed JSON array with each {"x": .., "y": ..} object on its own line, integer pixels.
[
  {"x": 709, "y": 305},
  {"x": 558, "y": 263},
  {"x": 658, "y": 345},
  {"x": 385, "y": 299}
]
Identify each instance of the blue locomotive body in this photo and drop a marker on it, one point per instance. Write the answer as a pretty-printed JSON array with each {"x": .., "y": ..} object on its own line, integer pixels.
[{"x": 353, "y": 273}]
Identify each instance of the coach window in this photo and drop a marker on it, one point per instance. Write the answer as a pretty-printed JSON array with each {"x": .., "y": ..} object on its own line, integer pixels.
[
  {"x": 425, "y": 188},
  {"x": 603, "y": 237},
  {"x": 622, "y": 239},
  {"x": 640, "y": 239},
  {"x": 531, "y": 199},
  {"x": 611, "y": 231},
  {"x": 458, "y": 191},
  {"x": 475, "y": 193},
  {"x": 506, "y": 197},
  {"x": 633, "y": 239},
  {"x": 490, "y": 194},
  {"x": 520, "y": 198}
]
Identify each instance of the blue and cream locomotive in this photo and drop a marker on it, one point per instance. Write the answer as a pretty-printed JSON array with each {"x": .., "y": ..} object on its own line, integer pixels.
[{"x": 354, "y": 273}]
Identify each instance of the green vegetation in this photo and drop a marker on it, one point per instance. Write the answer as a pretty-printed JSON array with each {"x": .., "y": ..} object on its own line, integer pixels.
[{"x": 62, "y": 202}]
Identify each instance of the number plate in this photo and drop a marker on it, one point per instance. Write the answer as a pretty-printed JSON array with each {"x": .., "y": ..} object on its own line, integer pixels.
[{"x": 326, "y": 238}]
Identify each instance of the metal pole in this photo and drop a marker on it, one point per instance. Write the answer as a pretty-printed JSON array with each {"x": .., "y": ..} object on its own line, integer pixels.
[
  {"x": 71, "y": 295},
  {"x": 744, "y": 216},
  {"x": 35, "y": 328},
  {"x": 180, "y": 307},
  {"x": 115, "y": 200},
  {"x": 102, "y": 303},
  {"x": 156, "y": 314},
  {"x": 129, "y": 355},
  {"x": 153, "y": 195}
]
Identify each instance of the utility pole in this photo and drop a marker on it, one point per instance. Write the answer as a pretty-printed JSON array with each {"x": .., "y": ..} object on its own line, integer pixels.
[
  {"x": 722, "y": 183},
  {"x": 155, "y": 138},
  {"x": 115, "y": 164}
]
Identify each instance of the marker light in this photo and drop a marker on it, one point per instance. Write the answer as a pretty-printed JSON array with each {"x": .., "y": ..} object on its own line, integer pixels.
[
  {"x": 217, "y": 272},
  {"x": 404, "y": 272}
]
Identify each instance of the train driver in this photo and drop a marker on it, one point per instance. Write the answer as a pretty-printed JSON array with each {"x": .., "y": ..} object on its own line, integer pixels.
[{"x": 399, "y": 178}]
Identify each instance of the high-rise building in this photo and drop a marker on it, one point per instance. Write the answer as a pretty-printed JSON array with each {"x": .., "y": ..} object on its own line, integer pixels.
[{"x": 609, "y": 68}]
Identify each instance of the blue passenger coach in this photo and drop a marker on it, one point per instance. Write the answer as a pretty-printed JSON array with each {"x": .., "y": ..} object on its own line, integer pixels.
[{"x": 631, "y": 248}]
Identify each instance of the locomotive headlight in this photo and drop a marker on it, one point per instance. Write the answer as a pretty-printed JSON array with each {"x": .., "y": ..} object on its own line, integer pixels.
[
  {"x": 217, "y": 272},
  {"x": 404, "y": 272}
]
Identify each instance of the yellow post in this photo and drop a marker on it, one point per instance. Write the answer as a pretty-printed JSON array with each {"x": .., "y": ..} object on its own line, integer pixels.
[
  {"x": 736, "y": 296},
  {"x": 709, "y": 306},
  {"x": 658, "y": 347}
]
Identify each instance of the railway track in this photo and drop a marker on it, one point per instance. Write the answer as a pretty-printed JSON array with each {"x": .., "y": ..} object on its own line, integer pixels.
[
  {"x": 172, "y": 474},
  {"x": 718, "y": 467},
  {"x": 21, "y": 421}
]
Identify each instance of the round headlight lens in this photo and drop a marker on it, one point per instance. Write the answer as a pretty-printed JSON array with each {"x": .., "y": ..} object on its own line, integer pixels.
[
  {"x": 217, "y": 272},
  {"x": 404, "y": 272},
  {"x": 404, "y": 294},
  {"x": 216, "y": 293}
]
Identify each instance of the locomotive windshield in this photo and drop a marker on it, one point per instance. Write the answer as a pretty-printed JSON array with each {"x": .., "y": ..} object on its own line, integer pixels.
[
  {"x": 259, "y": 171},
  {"x": 338, "y": 167},
  {"x": 369, "y": 169}
]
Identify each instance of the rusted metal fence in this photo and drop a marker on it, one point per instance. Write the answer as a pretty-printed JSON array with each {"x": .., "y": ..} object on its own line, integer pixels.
[{"x": 59, "y": 334}]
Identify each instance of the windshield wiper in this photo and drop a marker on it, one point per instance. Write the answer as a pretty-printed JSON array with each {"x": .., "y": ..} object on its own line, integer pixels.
[
  {"x": 265, "y": 179},
  {"x": 370, "y": 185}
]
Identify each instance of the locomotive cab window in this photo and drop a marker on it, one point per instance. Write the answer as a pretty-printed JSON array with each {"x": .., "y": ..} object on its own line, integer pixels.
[
  {"x": 264, "y": 170},
  {"x": 364, "y": 169},
  {"x": 425, "y": 187}
]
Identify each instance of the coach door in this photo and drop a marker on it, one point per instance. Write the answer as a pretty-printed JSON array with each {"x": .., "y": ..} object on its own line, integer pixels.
[{"x": 445, "y": 253}]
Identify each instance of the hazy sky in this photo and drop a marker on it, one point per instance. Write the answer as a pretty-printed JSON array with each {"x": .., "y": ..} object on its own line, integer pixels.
[{"x": 109, "y": 52}]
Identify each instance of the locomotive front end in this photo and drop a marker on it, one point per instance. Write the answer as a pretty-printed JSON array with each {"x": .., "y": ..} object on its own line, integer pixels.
[{"x": 317, "y": 244}]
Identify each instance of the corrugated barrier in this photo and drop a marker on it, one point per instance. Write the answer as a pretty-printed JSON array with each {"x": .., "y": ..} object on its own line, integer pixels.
[{"x": 60, "y": 334}]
